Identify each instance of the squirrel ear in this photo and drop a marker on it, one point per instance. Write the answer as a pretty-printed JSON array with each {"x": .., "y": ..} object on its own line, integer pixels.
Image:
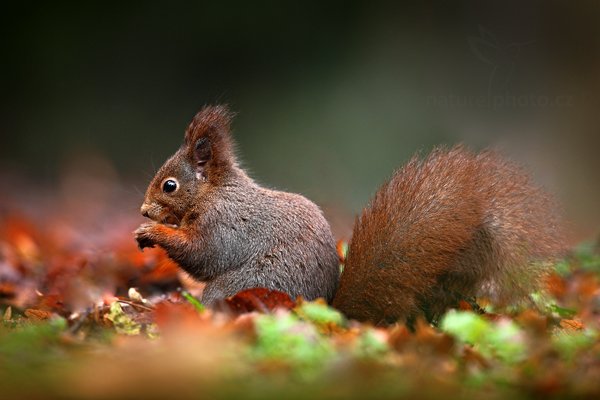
[
  {"x": 208, "y": 139},
  {"x": 202, "y": 155}
]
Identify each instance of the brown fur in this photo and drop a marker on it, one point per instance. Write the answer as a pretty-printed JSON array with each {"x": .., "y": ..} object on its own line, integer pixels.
[{"x": 448, "y": 227}]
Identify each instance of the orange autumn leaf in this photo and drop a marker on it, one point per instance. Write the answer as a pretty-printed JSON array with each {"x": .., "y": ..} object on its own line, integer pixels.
[
  {"x": 464, "y": 306},
  {"x": 571, "y": 325},
  {"x": 153, "y": 262},
  {"x": 341, "y": 247},
  {"x": 52, "y": 302},
  {"x": 400, "y": 337},
  {"x": 259, "y": 299},
  {"x": 168, "y": 315},
  {"x": 425, "y": 334},
  {"x": 37, "y": 315},
  {"x": 533, "y": 320},
  {"x": 556, "y": 285},
  {"x": 7, "y": 290},
  {"x": 587, "y": 285}
]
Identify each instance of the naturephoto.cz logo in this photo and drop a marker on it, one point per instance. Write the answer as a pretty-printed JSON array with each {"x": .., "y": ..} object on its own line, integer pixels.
[{"x": 502, "y": 61}]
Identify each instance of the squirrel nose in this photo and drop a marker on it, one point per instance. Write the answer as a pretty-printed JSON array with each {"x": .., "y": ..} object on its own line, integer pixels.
[{"x": 144, "y": 210}]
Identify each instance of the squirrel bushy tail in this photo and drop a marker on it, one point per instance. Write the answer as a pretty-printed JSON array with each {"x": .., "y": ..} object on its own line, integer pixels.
[{"x": 451, "y": 226}]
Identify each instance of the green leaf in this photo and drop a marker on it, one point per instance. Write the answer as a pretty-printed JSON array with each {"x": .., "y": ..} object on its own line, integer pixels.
[
  {"x": 588, "y": 255},
  {"x": 563, "y": 312},
  {"x": 563, "y": 268},
  {"x": 569, "y": 344},
  {"x": 466, "y": 326},
  {"x": 503, "y": 339},
  {"x": 506, "y": 341},
  {"x": 284, "y": 337},
  {"x": 122, "y": 322},
  {"x": 31, "y": 344},
  {"x": 320, "y": 313},
  {"x": 370, "y": 345},
  {"x": 548, "y": 305},
  {"x": 193, "y": 301}
]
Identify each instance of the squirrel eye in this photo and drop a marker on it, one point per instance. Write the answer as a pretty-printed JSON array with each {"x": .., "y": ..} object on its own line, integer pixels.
[{"x": 169, "y": 186}]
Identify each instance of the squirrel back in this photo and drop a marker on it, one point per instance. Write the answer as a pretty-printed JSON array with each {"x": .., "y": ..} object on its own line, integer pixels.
[{"x": 445, "y": 228}]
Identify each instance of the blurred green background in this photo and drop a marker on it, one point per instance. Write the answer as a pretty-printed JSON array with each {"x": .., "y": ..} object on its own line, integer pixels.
[{"x": 331, "y": 96}]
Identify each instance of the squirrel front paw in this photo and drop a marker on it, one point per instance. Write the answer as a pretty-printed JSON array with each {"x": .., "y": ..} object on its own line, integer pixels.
[{"x": 144, "y": 235}]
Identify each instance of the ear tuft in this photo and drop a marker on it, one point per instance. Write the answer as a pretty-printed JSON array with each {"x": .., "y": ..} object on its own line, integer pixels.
[
  {"x": 209, "y": 121},
  {"x": 208, "y": 137}
]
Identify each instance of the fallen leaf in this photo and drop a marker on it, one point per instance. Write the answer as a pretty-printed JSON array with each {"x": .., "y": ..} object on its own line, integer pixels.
[
  {"x": 571, "y": 324},
  {"x": 259, "y": 299},
  {"x": 38, "y": 315}
]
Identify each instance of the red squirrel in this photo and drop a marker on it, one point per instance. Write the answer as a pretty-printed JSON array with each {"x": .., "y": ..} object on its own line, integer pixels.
[{"x": 447, "y": 227}]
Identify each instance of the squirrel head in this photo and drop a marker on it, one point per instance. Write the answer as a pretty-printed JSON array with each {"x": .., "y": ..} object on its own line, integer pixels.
[{"x": 203, "y": 161}]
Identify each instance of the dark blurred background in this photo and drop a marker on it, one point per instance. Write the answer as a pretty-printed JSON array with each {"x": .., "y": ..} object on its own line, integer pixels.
[{"x": 331, "y": 96}]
